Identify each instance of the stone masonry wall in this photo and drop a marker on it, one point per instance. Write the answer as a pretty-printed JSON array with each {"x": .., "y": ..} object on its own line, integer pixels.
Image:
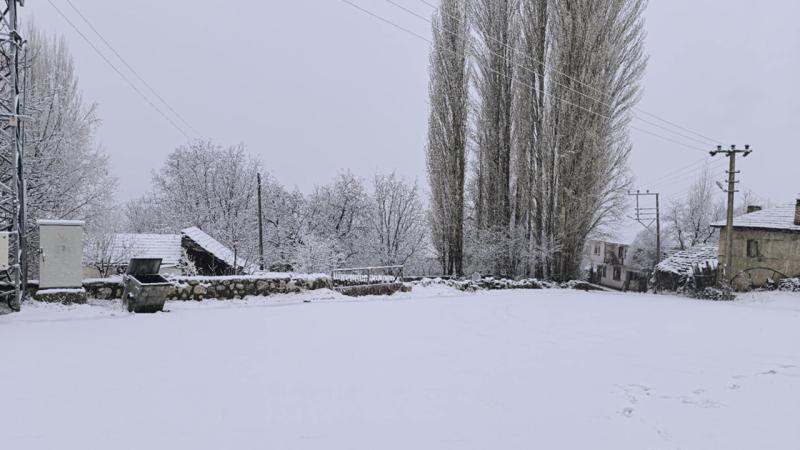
[
  {"x": 777, "y": 250},
  {"x": 224, "y": 288}
]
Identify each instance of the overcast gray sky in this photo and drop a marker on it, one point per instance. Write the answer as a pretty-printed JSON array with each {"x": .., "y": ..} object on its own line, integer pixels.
[{"x": 316, "y": 86}]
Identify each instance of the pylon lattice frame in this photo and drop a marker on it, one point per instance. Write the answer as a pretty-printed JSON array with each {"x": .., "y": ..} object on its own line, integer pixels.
[{"x": 12, "y": 192}]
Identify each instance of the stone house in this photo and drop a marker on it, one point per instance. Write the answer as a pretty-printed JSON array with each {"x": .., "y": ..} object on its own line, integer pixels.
[
  {"x": 766, "y": 245},
  {"x": 191, "y": 245},
  {"x": 611, "y": 265}
]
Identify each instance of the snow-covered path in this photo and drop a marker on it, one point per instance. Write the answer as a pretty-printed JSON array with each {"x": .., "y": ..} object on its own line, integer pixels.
[{"x": 434, "y": 369}]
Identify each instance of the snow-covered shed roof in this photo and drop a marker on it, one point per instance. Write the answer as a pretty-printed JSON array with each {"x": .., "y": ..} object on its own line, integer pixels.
[
  {"x": 777, "y": 218},
  {"x": 164, "y": 246},
  {"x": 682, "y": 261},
  {"x": 210, "y": 245},
  {"x": 168, "y": 247}
]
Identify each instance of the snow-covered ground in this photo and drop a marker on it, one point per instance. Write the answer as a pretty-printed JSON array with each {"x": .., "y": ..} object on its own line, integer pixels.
[{"x": 433, "y": 369}]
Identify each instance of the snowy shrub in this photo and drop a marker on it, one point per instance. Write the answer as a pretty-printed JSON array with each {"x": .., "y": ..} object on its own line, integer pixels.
[
  {"x": 711, "y": 293},
  {"x": 789, "y": 285},
  {"x": 317, "y": 254},
  {"x": 186, "y": 265}
]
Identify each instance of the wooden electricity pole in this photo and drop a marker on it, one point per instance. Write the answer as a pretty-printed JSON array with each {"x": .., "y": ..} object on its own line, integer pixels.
[
  {"x": 731, "y": 154},
  {"x": 260, "y": 228}
]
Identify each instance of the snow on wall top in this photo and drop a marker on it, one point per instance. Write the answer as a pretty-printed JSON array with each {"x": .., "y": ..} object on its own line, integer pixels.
[
  {"x": 211, "y": 245},
  {"x": 164, "y": 246},
  {"x": 777, "y": 218},
  {"x": 683, "y": 261},
  {"x": 63, "y": 223}
]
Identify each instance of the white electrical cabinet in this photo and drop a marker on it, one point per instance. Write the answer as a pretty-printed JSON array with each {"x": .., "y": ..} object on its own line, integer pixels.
[{"x": 60, "y": 253}]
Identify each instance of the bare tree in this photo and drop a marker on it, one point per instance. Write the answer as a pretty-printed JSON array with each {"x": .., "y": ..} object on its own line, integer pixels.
[
  {"x": 494, "y": 23},
  {"x": 447, "y": 131},
  {"x": 530, "y": 143},
  {"x": 212, "y": 187},
  {"x": 67, "y": 173},
  {"x": 397, "y": 220},
  {"x": 285, "y": 222},
  {"x": 104, "y": 248},
  {"x": 689, "y": 220},
  {"x": 599, "y": 43},
  {"x": 337, "y": 211}
]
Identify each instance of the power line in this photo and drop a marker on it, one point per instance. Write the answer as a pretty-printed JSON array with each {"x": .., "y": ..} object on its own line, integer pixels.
[
  {"x": 707, "y": 140},
  {"x": 681, "y": 195},
  {"x": 417, "y": 35},
  {"x": 133, "y": 71},
  {"x": 682, "y": 175},
  {"x": 122, "y": 75},
  {"x": 680, "y": 170}
]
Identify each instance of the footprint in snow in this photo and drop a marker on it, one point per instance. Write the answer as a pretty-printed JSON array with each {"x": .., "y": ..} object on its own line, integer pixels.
[{"x": 627, "y": 412}]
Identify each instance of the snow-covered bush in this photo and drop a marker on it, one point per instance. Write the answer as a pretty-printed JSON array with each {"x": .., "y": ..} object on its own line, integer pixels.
[
  {"x": 317, "y": 254},
  {"x": 711, "y": 293},
  {"x": 788, "y": 285},
  {"x": 186, "y": 265}
]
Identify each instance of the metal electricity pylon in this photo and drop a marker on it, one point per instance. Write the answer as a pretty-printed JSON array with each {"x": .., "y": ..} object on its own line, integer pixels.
[
  {"x": 12, "y": 180},
  {"x": 649, "y": 216}
]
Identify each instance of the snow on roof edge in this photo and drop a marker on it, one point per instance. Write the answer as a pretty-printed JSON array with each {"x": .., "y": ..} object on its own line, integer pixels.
[{"x": 211, "y": 245}]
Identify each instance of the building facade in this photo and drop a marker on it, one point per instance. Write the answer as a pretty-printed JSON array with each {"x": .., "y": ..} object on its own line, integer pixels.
[
  {"x": 610, "y": 265},
  {"x": 766, "y": 246}
]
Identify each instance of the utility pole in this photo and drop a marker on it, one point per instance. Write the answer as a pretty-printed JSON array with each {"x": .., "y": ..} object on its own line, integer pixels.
[
  {"x": 649, "y": 216},
  {"x": 731, "y": 154},
  {"x": 12, "y": 180},
  {"x": 260, "y": 227}
]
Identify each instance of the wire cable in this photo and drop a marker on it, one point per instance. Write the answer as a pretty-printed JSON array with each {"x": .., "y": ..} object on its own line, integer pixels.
[
  {"x": 133, "y": 71},
  {"x": 708, "y": 140},
  {"x": 423, "y": 38},
  {"x": 122, "y": 75}
]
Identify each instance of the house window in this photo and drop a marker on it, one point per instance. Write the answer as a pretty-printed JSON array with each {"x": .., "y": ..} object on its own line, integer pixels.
[
  {"x": 617, "y": 273},
  {"x": 752, "y": 248},
  {"x": 621, "y": 252},
  {"x": 597, "y": 249},
  {"x": 601, "y": 271}
]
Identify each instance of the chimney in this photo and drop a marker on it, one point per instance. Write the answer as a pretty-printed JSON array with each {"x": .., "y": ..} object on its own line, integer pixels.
[
  {"x": 797, "y": 212},
  {"x": 753, "y": 208}
]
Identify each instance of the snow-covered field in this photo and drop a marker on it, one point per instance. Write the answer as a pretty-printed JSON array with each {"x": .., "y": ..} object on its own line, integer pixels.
[{"x": 434, "y": 369}]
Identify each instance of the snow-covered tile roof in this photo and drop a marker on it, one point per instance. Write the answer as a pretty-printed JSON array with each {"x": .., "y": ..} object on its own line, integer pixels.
[
  {"x": 777, "y": 218},
  {"x": 164, "y": 246},
  {"x": 683, "y": 261},
  {"x": 211, "y": 245}
]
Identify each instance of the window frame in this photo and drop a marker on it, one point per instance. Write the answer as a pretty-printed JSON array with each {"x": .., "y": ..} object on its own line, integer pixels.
[{"x": 753, "y": 250}]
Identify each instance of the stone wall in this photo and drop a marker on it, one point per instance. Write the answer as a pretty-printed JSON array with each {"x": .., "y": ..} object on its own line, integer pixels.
[
  {"x": 777, "y": 250},
  {"x": 229, "y": 287},
  {"x": 103, "y": 288},
  {"x": 65, "y": 296},
  {"x": 224, "y": 287},
  {"x": 490, "y": 284}
]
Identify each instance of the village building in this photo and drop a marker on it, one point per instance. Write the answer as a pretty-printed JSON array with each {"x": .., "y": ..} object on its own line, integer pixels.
[
  {"x": 191, "y": 249},
  {"x": 611, "y": 265},
  {"x": 694, "y": 268},
  {"x": 766, "y": 245}
]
